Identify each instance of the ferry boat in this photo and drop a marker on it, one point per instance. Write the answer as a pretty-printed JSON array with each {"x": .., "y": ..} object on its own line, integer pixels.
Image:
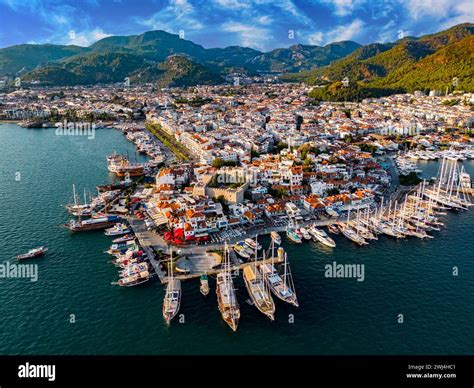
[
  {"x": 117, "y": 230},
  {"x": 35, "y": 252},
  {"x": 92, "y": 224},
  {"x": 134, "y": 280},
  {"x": 204, "y": 287},
  {"x": 226, "y": 296},
  {"x": 275, "y": 237},
  {"x": 321, "y": 236},
  {"x": 293, "y": 236},
  {"x": 258, "y": 291},
  {"x": 252, "y": 244}
]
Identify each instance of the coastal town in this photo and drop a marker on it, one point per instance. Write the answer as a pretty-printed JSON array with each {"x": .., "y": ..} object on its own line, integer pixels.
[
  {"x": 232, "y": 163},
  {"x": 233, "y": 185}
]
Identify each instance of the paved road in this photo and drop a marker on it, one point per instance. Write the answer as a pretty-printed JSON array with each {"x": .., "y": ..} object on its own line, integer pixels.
[{"x": 170, "y": 157}]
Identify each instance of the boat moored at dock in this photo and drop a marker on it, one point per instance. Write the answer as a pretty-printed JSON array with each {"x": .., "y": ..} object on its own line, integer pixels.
[
  {"x": 122, "y": 167},
  {"x": 252, "y": 244},
  {"x": 275, "y": 237},
  {"x": 226, "y": 295},
  {"x": 242, "y": 249},
  {"x": 92, "y": 224},
  {"x": 258, "y": 291},
  {"x": 204, "y": 285},
  {"x": 134, "y": 280},
  {"x": 321, "y": 236},
  {"x": 281, "y": 286},
  {"x": 304, "y": 232},
  {"x": 293, "y": 236},
  {"x": 117, "y": 230},
  {"x": 172, "y": 300}
]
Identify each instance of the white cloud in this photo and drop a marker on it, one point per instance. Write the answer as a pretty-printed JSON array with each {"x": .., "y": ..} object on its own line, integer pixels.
[
  {"x": 342, "y": 32},
  {"x": 265, "y": 20},
  {"x": 342, "y": 7},
  {"x": 460, "y": 9},
  {"x": 85, "y": 38},
  {"x": 233, "y": 4},
  {"x": 178, "y": 15},
  {"x": 316, "y": 38},
  {"x": 250, "y": 36},
  {"x": 182, "y": 6}
]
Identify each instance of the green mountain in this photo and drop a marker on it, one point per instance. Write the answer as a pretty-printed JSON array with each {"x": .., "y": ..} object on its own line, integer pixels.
[
  {"x": 112, "y": 67},
  {"x": 25, "y": 57},
  {"x": 156, "y": 56},
  {"x": 350, "y": 66},
  {"x": 435, "y": 71},
  {"x": 158, "y": 45},
  {"x": 105, "y": 60},
  {"x": 152, "y": 45},
  {"x": 303, "y": 57},
  {"x": 428, "y": 62},
  {"x": 177, "y": 71},
  {"x": 91, "y": 68}
]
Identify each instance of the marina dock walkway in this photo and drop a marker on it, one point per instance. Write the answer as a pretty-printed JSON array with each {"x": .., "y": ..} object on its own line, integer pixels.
[
  {"x": 200, "y": 259},
  {"x": 143, "y": 236}
]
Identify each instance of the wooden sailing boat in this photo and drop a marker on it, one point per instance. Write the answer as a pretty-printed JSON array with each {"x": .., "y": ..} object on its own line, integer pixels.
[
  {"x": 350, "y": 233},
  {"x": 77, "y": 209},
  {"x": 282, "y": 288},
  {"x": 226, "y": 295},
  {"x": 258, "y": 289},
  {"x": 172, "y": 299}
]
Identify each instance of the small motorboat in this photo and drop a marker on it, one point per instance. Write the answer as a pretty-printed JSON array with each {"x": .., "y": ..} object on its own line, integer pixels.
[
  {"x": 204, "y": 287},
  {"x": 127, "y": 237},
  {"x": 275, "y": 237},
  {"x": 35, "y": 252},
  {"x": 117, "y": 230}
]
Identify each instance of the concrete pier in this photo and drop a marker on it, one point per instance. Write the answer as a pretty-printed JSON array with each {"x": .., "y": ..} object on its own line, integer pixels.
[{"x": 201, "y": 261}]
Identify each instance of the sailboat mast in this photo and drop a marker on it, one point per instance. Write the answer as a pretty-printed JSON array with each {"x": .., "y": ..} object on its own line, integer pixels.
[
  {"x": 441, "y": 177},
  {"x": 74, "y": 194},
  {"x": 452, "y": 180},
  {"x": 256, "y": 252},
  {"x": 170, "y": 270}
]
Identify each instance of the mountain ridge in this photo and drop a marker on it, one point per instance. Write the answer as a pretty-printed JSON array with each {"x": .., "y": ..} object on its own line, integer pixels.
[
  {"x": 380, "y": 69},
  {"x": 376, "y": 68}
]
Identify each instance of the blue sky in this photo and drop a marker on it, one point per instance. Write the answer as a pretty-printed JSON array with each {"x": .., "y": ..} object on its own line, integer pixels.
[{"x": 261, "y": 24}]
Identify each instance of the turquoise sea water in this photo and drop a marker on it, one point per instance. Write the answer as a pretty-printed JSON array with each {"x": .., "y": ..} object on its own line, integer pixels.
[{"x": 336, "y": 316}]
